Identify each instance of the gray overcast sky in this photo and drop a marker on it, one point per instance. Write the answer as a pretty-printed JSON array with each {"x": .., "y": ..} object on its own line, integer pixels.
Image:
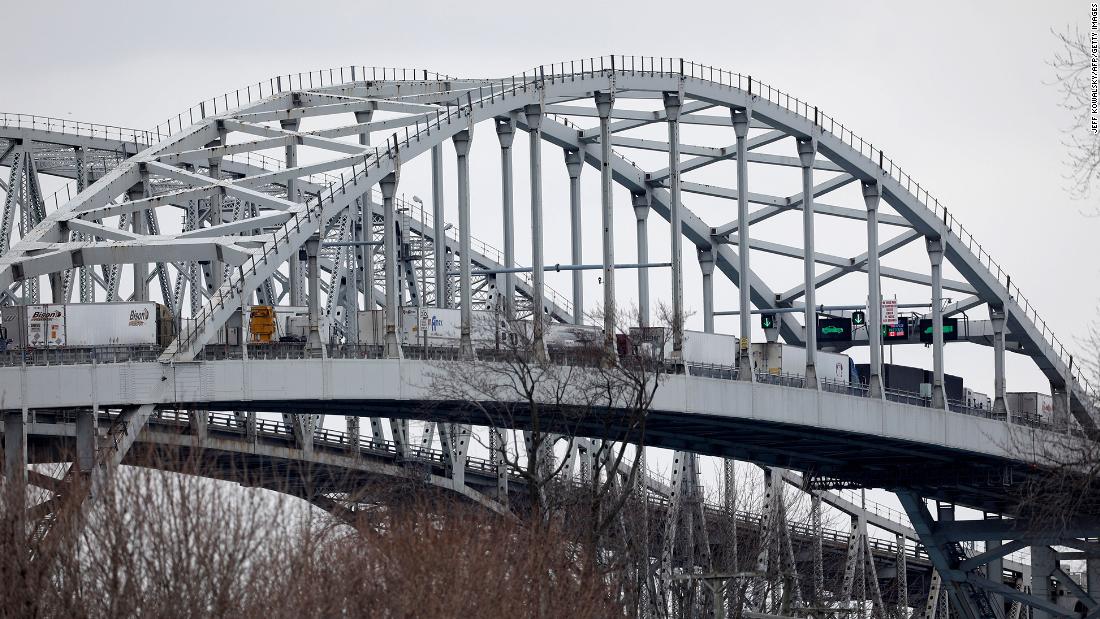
[{"x": 958, "y": 94}]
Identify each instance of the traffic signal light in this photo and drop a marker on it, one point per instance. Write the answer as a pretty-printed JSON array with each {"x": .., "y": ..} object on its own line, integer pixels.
[
  {"x": 859, "y": 318},
  {"x": 767, "y": 321},
  {"x": 834, "y": 330}
]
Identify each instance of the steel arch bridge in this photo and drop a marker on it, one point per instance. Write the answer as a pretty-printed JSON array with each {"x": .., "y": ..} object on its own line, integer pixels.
[{"x": 193, "y": 213}]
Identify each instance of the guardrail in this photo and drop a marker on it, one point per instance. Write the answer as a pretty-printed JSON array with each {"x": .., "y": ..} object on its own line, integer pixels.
[{"x": 579, "y": 357}]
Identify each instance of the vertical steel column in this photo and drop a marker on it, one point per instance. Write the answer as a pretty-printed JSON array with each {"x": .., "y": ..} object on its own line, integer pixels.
[
  {"x": 706, "y": 264},
  {"x": 1043, "y": 563},
  {"x": 313, "y": 248},
  {"x": 87, "y": 439},
  {"x": 871, "y": 196},
  {"x": 506, "y": 133},
  {"x": 461, "y": 141},
  {"x": 574, "y": 163},
  {"x": 538, "y": 313},
  {"x": 87, "y": 282},
  {"x": 389, "y": 245},
  {"x": 673, "y": 101},
  {"x": 353, "y": 435},
  {"x": 997, "y": 320},
  {"x": 741, "y": 119},
  {"x": 15, "y": 451},
  {"x": 498, "y": 457},
  {"x": 140, "y": 226},
  {"x": 362, "y": 230},
  {"x": 604, "y": 102},
  {"x": 935, "y": 256},
  {"x": 641, "y": 214},
  {"x": 291, "y": 157},
  {"x": 1092, "y": 576},
  {"x": 995, "y": 568},
  {"x": 439, "y": 223},
  {"x": 902, "y": 577},
  {"x": 807, "y": 152},
  {"x": 729, "y": 512},
  {"x": 15, "y": 470}
]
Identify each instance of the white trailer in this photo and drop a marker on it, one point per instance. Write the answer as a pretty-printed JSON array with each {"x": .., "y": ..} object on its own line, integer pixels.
[
  {"x": 86, "y": 325},
  {"x": 778, "y": 358},
  {"x": 434, "y": 326},
  {"x": 975, "y": 400},
  {"x": 111, "y": 324},
  {"x": 1031, "y": 405},
  {"x": 708, "y": 348}
]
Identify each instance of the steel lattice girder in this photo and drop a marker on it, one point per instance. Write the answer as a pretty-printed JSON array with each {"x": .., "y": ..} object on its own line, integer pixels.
[{"x": 486, "y": 99}]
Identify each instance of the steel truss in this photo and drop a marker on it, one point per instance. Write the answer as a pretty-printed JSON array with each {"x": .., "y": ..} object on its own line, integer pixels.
[{"x": 195, "y": 206}]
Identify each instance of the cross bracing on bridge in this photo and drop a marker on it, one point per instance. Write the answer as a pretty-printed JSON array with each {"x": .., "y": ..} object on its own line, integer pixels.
[{"x": 222, "y": 226}]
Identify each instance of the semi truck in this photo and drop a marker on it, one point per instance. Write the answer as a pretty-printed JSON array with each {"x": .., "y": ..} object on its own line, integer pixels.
[
  {"x": 910, "y": 380},
  {"x": 83, "y": 325},
  {"x": 777, "y": 358}
]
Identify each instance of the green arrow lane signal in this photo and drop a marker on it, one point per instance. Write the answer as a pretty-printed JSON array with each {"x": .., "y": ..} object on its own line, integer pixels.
[
  {"x": 858, "y": 318},
  {"x": 767, "y": 321}
]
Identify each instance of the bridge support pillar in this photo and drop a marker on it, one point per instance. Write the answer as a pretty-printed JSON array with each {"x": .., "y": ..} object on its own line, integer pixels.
[
  {"x": 538, "y": 313},
  {"x": 353, "y": 435},
  {"x": 455, "y": 439},
  {"x": 1060, "y": 395},
  {"x": 641, "y": 215},
  {"x": 198, "y": 420},
  {"x": 498, "y": 449},
  {"x": 574, "y": 163},
  {"x": 1044, "y": 562},
  {"x": 997, "y": 319},
  {"x": 389, "y": 244},
  {"x": 377, "y": 436},
  {"x": 604, "y": 102},
  {"x": 290, "y": 154},
  {"x": 1092, "y": 575},
  {"x": 506, "y": 132},
  {"x": 935, "y": 256},
  {"x": 87, "y": 439},
  {"x": 140, "y": 226},
  {"x": 461, "y": 141},
  {"x": 995, "y": 568},
  {"x": 361, "y": 275},
  {"x": 706, "y": 265},
  {"x": 399, "y": 428},
  {"x": 741, "y": 117},
  {"x": 439, "y": 233},
  {"x": 15, "y": 450},
  {"x": 313, "y": 247},
  {"x": 15, "y": 473},
  {"x": 303, "y": 426},
  {"x": 673, "y": 102},
  {"x": 872, "y": 193},
  {"x": 87, "y": 285},
  {"x": 807, "y": 152}
]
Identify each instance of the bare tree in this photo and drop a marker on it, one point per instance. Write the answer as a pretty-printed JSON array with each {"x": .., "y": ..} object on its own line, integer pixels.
[
  {"x": 1064, "y": 480},
  {"x": 574, "y": 388},
  {"x": 165, "y": 544},
  {"x": 1074, "y": 76}
]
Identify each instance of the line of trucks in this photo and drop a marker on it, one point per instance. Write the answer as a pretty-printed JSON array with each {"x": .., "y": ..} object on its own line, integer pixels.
[{"x": 84, "y": 325}]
